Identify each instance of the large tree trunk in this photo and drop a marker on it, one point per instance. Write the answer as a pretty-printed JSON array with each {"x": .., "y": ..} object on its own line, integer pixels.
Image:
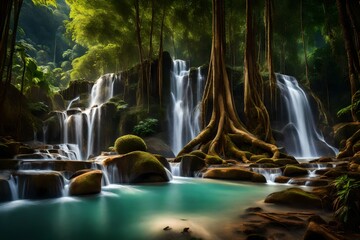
[
  {"x": 350, "y": 27},
  {"x": 217, "y": 138},
  {"x": 258, "y": 120},
  {"x": 7, "y": 43}
]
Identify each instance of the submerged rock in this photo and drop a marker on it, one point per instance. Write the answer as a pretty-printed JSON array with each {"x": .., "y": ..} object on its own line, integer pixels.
[
  {"x": 86, "y": 183},
  {"x": 136, "y": 167},
  {"x": 295, "y": 197}
]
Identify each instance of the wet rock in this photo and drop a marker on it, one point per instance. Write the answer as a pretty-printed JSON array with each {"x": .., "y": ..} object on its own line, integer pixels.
[
  {"x": 26, "y": 150},
  {"x": 158, "y": 146},
  {"x": 80, "y": 172},
  {"x": 86, "y": 183},
  {"x": 234, "y": 174},
  {"x": 291, "y": 171},
  {"x": 317, "y": 231},
  {"x": 40, "y": 184},
  {"x": 295, "y": 197},
  {"x": 137, "y": 167},
  {"x": 190, "y": 165},
  {"x": 5, "y": 190},
  {"x": 285, "y": 161},
  {"x": 311, "y": 182},
  {"x": 163, "y": 161},
  {"x": 282, "y": 179},
  {"x": 67, "y": 165},
  {"x": 9, "y": 164}
]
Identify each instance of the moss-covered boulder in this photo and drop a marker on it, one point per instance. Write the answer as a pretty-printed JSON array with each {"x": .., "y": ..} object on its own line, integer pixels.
[
  {"x": 292, "y": 171},
  {"x": 163, "y": 161},
  {"x": 190, "y": 165},
  {"x": 86, "y": 183},
  {"x": 40, "y": 184},
  {"x": 136, "y": 167},
  {"x": 285, "y": 161},
  {"x": 129, "y": 143},
  {"x": 295, "y": 197},
  {"x": 234, "y": 174}
]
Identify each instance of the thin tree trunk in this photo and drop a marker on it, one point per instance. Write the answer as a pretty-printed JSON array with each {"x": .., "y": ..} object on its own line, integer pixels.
[
  {"x": 350, "y": 49},
  {"x": 148, "y": 74},
  {"x": 160, "y": 61},
  {"x": 142, "y": 81},
  {"x": 307, "y": 81}
]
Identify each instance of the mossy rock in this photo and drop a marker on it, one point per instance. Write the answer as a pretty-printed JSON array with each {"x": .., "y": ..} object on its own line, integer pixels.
[
  {"x": 292, "y": 171},
  {"x": 86, "y": 183},
  {"x": 137, "y": 167},
  {"x": 265, "y": 160},
  {"x": 285, "y": 161},
  {"x": 234, "y": 174},
  {"x": 190, "y": 165},
  {"x": 198, "y": 153},
  {"x": 295, "y": 197},
  {"x": 163, "y": 161},
  {"x": 129, "y": 143},
  {"x": 213, "y": 160}
]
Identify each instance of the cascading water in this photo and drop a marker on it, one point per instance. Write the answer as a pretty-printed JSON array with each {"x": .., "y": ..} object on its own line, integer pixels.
[
  {"x": 301, "y": 137},
  {"x": 83, "y": 127},
  {"x": 184, "y": 113}
]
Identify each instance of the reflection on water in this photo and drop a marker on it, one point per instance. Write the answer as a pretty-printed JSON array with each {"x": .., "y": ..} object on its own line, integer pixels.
[{"x": 131, "y": 211}]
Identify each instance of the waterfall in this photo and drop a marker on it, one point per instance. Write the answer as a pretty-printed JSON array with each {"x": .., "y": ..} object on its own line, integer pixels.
[
  {"x": 184, "y": 113},
  {"x": 83, "y": 126},
  {"x": 301, "y": 138}
]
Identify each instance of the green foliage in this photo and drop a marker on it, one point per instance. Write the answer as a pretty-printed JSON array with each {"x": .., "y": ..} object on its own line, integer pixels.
[
  {"x": 347, "y": 201},
  {"x": 355, "y": 106},
  {"x": 129, "y": 143},
  {"x": 38, "y": 107},
  {"x": 146, "y": 127}
]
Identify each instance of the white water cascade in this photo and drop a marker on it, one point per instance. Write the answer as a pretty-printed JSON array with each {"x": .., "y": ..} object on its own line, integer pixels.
[
  {"x": 186, "y": 93},
  {"x": 301, "y": 138},
  {"x": 83, "y": 126}
]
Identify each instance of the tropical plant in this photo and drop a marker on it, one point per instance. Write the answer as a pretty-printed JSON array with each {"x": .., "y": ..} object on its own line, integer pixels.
[
  {"x": 347, "y": 201},
  {"x": 146, "y": 127}
]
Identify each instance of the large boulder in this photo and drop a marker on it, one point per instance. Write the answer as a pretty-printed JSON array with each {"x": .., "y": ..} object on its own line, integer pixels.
[
  {"x": 136, "y": 167},
  {"x": 292, "y": 171},
  {"x": 158, "y": 146},
  {"x": 234, "y": 174},
  {"x": 295, "y": 197},
  {"x": 86, "y": 183},
  {"x": 129, "y": 143},
  {"x": 190, "y": 165},
  {"x": 40, "y": 184}
]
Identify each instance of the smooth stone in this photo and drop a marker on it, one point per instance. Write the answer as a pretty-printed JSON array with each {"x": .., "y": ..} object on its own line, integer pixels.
[
  {"x": 234, "y": 174},
  {"x": 86, "y": 183}
]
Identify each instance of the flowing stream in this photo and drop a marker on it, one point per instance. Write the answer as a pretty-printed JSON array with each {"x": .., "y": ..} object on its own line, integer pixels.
[
  {"x": 186, "y": 94},
  {"x": 301, "y": 138}
]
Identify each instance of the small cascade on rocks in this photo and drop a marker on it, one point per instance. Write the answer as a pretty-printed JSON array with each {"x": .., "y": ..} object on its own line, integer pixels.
[
  {"x": 175, "y": 169},
  {"x": 301, "y": 138},
  {"x": 186, "y": 93},
  {"x": 83, "y": 127},
  {"x": 269, "y": 173}
]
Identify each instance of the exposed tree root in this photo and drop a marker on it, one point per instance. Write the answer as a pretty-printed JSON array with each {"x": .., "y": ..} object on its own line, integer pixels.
[{"x": 348, "y": 150}]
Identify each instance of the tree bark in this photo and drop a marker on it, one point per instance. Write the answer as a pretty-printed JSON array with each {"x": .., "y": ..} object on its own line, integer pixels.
[
  {"x": 258, "y": 120},
  {"x": 217, "y": 137},
  {"x": 269, "y": 50},
  {"x": 160, "y": 61},
  {"x": 352, "y": 49}
]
